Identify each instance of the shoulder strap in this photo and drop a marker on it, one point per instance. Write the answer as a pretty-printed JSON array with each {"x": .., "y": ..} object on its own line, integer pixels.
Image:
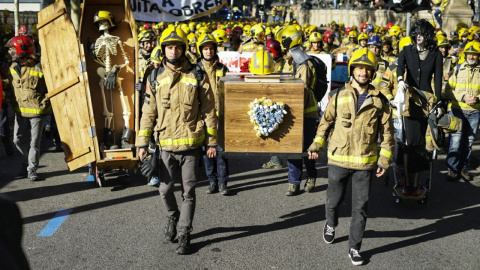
[{"x": 153, "y": 77}]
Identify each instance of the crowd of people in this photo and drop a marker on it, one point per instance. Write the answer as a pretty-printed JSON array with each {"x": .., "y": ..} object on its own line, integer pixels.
[{"x": 405, "y": 94}]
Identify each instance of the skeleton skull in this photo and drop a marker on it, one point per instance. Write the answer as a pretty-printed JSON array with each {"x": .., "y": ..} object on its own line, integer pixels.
[{"x": 103, "y": 25}]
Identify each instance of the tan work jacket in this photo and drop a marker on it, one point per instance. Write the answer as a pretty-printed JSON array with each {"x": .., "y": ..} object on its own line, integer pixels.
[
  {"x": 305, "y": 73},
  {"x": 214, "y": 72},
  {"x": 250, "y": 46},
  {"x": 179, "y": 109},
  {"x": 464, "y": 81},
  {"x": 30, "y": 90},
  {"x": 353, "y": 136}
]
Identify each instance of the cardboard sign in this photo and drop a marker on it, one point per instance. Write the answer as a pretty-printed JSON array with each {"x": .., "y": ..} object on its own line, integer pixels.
[{"x": 174, "y": 10}]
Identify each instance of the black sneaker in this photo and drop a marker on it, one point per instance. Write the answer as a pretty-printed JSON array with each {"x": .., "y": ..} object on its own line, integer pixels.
[
  {"x": 223, "y": 189},
  {"x": 212, "y": 188},
  {"x": 328, "y": 234},
  {"x": 355, "y": 257},
  {"x": 32, "y": 175},
  {"x": 183, "y": 244},
  {"x": 466, "y": 176},
  {"x": 171, "y": 229},
  {"x": 452, "y": 176}
]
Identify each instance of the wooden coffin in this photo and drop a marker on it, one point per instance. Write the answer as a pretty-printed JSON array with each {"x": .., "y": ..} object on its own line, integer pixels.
[
  {"x": 236, "y": 132},
  {"x": 73, "y": 84}
]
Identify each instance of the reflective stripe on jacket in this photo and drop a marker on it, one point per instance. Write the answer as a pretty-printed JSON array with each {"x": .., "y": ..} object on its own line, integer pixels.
[
  {"x": 181, "y": 108},
  {"x": 30, "y": 90},
  {"x": 354, "y": 134},
  {"x": 466, "y": 80}
]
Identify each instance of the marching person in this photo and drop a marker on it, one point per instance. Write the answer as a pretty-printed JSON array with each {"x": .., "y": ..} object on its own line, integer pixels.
[
  {"x": 180, "y": 109},
  {"x": 257, "y": 40},
  {"x": 216, "y": 168},
  {"x": 291, "y": 40},
  {"x": 31, "y": 104},
  {"x": 356, "y": 115},
  {"x": 463, "y": 88}
]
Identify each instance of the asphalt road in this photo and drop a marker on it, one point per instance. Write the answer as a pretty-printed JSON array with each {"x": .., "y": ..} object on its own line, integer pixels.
[{"x": 257, "y": 227}]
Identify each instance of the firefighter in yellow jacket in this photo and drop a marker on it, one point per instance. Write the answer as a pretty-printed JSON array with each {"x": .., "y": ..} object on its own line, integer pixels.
[
  {"x": 257, "y": 40},
  {"x": 463, "y": 88},
  {"x": 216, "y": 168},
  {"x": 354, "y": 117},
  {"x": 30, "y": 105},
  {"x": 180, "y": 109}
]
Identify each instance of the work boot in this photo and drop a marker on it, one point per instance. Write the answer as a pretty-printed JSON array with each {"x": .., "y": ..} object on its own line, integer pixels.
[
  {"x": 310, "y": 184},
  {"x": 272, "y": 165},
  {"x": 223, "y": 189},
  {"x": 292, "y": 190},
  {"x": 171, "y": 229},
  {"x": 108, "y": 139},
  {"x": 465, "y": 175},
  {"x": 212, "y": 188},
  {"x": 183, "y": 244},
  {"x": 8, "y": 145},
  {"x": 32, "y": 175},
  {"x": 126, "y": 135},
  {"x": 452, "y": 176}
]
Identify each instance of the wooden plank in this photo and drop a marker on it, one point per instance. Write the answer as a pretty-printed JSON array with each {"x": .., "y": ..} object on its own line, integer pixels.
[
  {"x": 238, "y": 132},
  {"x": 53, "y": 17},
  {"x": 262, "y": 79},
  {"x": 63, "y": 88},
  {"x": 117, "y": 163},
  {"x": 60, "y": 58},
  {"x": 78, "y": 154}
]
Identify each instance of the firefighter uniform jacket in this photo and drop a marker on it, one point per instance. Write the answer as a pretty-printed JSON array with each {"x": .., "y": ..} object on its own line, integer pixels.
[
  {"x": 311, "y": 51},
  {"x": 180, "y": 108},
  {"x": 192, "y": 57},
  {"x": 214, "y": 72},
  {"x": 144, "y": 66},
  {"x": 354, "y": 134},
  {"x": 250, "y": 46},
  {"x": 466, "y": 80},
  {"x": 305, "y": 73},
  {"x": 30, "y": 90},
  {"x": 382, "y": 66}
]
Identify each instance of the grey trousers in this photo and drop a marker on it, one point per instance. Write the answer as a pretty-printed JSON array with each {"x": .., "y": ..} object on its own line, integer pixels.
[
  {"x": 30, "y": 150},
  {"x": 337, "y": 183},
  {"x": 174, "y": 165}
]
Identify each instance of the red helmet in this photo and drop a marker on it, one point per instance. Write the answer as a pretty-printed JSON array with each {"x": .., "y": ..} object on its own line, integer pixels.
[
  {"x": 22, "y": 31},
  {"x": 23, "y": 45},
  {"x": 347, "y": 30},
  {"x": 364, "y": 25},
  {"x": 326, "y": 35},
  {"x": 274, "y": 47},
  {"x": 237, "y": 30},
  {"x": 388, "y": 26},
  {"x": 146, "y": 26}
]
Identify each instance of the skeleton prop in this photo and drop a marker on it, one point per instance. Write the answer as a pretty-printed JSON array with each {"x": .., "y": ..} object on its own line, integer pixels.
[{"x": 103, "y": 50}]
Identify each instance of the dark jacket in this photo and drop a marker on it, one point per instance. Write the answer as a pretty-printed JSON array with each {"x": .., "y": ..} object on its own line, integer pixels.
[{"x": 420, "y": 75}]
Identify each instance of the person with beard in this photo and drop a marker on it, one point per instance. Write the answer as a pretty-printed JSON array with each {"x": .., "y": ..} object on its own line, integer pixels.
[
  {"x": 356, "y": 114},
  {"x": 422, "y": 61},
  {"x": 216, "y": 168},
  {"x": 291, "y": 40},
  {"x": 180, "y": 109},
  {"x": 463, "y": 88}
]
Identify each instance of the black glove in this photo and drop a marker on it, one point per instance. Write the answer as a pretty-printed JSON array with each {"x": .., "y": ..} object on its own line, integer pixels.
[
  {"x": 139, "y": 87},
  {"x": 110, "y": 80},
  {"x": 149, "y": 166}
]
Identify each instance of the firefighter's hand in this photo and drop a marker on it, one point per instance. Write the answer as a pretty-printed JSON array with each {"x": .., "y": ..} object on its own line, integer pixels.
[
  {"x": 312, "y": 155},
  {"x": 211, "y": 152},
  {"x": 139, "y": 87},
  {"x": 380, "y": 172},
  {"x": 401, "y": 86},
  {"x": 142, "y": 152}
]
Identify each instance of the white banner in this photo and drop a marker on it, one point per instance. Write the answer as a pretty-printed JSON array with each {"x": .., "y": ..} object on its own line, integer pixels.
[{"x": 174, "y": 10}]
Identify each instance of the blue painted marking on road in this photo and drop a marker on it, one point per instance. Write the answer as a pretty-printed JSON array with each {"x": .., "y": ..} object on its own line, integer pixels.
[
  {"x": 55, "y": 223},
  {"x": 90, "y": 178}
]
